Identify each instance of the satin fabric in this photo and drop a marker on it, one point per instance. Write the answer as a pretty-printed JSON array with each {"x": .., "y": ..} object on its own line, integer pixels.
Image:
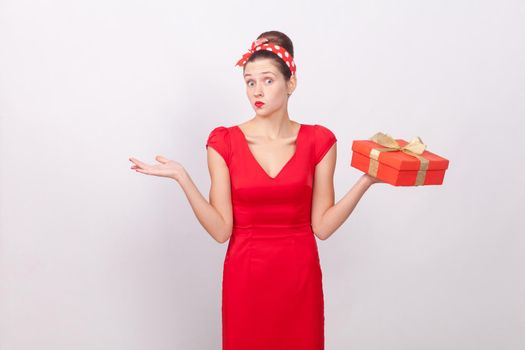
[{"x": 272, "y": 291}]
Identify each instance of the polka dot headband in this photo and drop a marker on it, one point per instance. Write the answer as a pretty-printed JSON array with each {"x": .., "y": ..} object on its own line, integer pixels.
[{"x": 262, "y": 44}]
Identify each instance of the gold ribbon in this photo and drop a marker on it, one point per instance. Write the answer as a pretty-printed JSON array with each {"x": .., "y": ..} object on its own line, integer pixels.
[{"x": 414, "y": 148}]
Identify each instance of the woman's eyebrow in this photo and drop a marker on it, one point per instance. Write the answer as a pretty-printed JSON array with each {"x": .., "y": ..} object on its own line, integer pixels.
[{"x": 261, "y": 73}]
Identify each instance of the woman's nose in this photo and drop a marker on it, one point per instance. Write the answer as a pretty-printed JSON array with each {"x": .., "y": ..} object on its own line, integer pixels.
[{"x": 258, "y": 92}]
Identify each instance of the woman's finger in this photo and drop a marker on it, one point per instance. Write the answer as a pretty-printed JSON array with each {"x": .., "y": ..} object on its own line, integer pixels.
[
  {"x": 139, "y": 163},
  {"x": 161, "y": 159}
]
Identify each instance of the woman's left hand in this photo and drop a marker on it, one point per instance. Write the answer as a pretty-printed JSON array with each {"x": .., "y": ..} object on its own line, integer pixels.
[{"x": 372, "y": 180}]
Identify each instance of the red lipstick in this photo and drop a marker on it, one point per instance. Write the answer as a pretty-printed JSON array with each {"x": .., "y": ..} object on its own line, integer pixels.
[{"x": 259, "y": 104}]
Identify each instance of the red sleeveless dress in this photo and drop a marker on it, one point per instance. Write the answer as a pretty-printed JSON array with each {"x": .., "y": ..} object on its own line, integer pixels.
[{"x": 272, "y": 292}]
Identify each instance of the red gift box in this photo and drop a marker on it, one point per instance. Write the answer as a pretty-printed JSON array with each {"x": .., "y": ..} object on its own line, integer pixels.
[{"x": 398, "y": 162}]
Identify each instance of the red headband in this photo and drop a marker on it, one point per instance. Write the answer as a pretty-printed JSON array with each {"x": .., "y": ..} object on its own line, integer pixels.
[{"x": 280, "y": 51}]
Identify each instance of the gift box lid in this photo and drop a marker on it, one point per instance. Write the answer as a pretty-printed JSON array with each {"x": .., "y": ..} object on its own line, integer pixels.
[{"x": 398, "y": 159}]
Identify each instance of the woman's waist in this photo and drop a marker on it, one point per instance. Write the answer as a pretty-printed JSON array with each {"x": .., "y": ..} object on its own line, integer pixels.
[{"x": 273, "y": 230}]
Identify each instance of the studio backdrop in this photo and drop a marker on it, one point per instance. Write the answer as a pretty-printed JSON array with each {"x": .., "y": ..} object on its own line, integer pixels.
[{"x": 96, "y": 256}]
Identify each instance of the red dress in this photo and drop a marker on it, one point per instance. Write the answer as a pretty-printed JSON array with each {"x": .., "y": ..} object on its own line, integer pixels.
[{"x": 272, "y": 292}]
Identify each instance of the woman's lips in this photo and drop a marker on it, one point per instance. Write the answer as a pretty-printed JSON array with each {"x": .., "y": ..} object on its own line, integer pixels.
[{"x": 259, "y": 104}]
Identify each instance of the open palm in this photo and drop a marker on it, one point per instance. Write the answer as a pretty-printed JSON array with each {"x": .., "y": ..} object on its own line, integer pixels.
[{"x": 166, "y": 168}]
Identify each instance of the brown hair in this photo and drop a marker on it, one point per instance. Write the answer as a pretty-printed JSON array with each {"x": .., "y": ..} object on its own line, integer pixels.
[{"x": 280, "y": 39}]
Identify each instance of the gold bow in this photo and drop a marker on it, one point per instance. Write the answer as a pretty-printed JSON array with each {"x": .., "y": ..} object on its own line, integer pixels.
[{"x": 414, "y": 148}]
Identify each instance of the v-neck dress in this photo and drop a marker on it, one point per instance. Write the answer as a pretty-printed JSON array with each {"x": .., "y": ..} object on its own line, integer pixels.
[{"x": 272, "y": 291}]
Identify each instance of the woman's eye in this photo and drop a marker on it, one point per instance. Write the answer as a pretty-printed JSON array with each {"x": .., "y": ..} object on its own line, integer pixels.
[{"x": 251, "y": 83}]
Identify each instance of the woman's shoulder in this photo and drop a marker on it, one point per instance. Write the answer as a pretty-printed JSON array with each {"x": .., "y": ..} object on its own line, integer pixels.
[
  {"x": 322, "y": 129},
  {"x": 324, "y": 138},
  {"x": 319, "y": 131},
  {"x": 219, "y": 139},
  {"x": 220, "y": 131},
  {"x": 221, "y": 128}
]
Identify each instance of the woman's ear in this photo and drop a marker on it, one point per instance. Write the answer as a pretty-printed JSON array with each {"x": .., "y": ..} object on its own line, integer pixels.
[{"x": 292, "y": 84}]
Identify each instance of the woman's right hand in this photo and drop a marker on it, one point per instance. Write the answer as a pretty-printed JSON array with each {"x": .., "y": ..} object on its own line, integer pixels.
[{"x": 166, "y": 168}]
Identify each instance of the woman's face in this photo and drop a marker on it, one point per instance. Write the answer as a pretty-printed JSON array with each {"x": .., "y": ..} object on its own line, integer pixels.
[{"x": 266, "y": 86}]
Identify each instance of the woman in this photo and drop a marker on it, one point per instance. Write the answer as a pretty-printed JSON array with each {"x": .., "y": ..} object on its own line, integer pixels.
[{"x": 271, "y": 192}]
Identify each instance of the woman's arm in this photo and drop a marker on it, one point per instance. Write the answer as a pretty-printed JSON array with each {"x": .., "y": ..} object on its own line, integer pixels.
[
  {"x": 327, "y": 217},
  {"x": 216, "y": 217}
]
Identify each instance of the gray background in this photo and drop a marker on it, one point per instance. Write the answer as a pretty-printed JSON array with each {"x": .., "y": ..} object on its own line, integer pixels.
[{"x": 96, "y": 256}]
